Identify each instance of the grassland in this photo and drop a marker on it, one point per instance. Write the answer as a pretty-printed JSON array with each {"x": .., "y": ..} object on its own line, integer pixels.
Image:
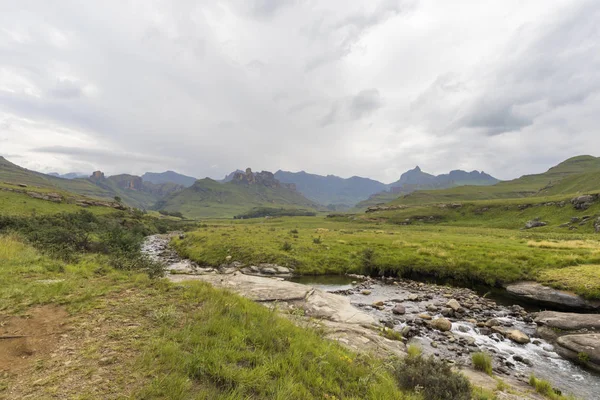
[
  {"x": 211, "y": 199},
  {"x": 172, "y": 342},
  {"x": 316, "y": 245}
]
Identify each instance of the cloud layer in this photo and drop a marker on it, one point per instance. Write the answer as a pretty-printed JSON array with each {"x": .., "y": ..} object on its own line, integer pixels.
[{"x": 340, "y": 87}]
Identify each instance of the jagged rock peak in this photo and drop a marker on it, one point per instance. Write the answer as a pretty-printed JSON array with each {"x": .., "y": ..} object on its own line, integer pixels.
[
  {"x": 97, "y": 175},
  {"x": 264, "y": 178}
]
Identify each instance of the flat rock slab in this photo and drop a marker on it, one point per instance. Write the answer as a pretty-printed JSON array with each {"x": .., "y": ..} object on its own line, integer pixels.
[
  {"x": 316, "y": 303},
  {"x": 252, "y": 287},
  {"x": 568, "y": 321},
  {"x": 547, "y": 295},
  {"x": 583, "y": 348}
]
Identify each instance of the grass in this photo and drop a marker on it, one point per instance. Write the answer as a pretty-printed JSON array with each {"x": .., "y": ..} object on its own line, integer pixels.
[
  {"x": 491, "y": 255},
  {"x": 482, "y": 362},
  {"x": 544, "y": 388},
  {"x": 19, "y": 204},
  {"x": 581, "y": 279},
  {"x": 191, "y": 341}
]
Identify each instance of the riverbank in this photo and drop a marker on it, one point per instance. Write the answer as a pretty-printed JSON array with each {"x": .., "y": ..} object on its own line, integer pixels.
[
  {"x": 412, "y": 309},
  {"x": 321, "y": 246}
]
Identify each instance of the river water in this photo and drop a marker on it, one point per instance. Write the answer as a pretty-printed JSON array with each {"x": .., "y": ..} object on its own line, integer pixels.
[{"x": 537, "y": 357}]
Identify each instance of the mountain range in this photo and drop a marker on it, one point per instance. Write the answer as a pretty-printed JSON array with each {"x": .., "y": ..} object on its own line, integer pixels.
[{"x": 242, "y": 191}]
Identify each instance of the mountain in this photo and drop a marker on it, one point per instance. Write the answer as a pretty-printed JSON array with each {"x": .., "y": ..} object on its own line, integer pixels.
[
  {"x": 415, "y": 179},
  {"x": 70, "y": 175},
  {"x": 331, "y": 190},
  {"x": 130, "y": 188},
  {"x": 246, "y": 190},
  {"x": 576, "y": 175},
  {"x": 230, "y": 176},
  {"x": 168, "y": 176}
]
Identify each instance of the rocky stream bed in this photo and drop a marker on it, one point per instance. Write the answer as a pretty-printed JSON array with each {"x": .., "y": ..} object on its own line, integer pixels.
[{"x": 448, "y": 322}]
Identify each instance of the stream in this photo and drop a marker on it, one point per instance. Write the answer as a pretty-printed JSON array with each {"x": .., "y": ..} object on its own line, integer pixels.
[
  {"x": 509, "y": 358},
  {"x": 421, "y": 301}
]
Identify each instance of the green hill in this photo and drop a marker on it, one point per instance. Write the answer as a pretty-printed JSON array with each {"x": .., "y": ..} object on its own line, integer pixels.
[
  {"x": 575, "y": 175},
  {"x": 131, "y": 189},
  {"x": 212, "y": 199}
]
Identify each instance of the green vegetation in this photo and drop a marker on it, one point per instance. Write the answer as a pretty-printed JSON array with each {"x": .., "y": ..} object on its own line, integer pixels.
[
  {"x": 482, "y": 362},
  {"x": 575, "y": 175},
  {"x": 489, "y": 255},
  {"x": 432, "y": 378},
  {"x": 260, "y": 212},
  {"x": 544, "y": 388},
  {"x": 207, "y": 198}
]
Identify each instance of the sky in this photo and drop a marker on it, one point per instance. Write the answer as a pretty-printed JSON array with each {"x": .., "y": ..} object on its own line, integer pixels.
[{"x": 367, "y": 88}]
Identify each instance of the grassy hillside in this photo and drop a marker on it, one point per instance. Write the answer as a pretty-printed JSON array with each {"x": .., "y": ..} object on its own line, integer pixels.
[
  {"x": 107, "y": 188},
  {"x": 211, "y": 199},
  {"x": 577, "y": 174}
]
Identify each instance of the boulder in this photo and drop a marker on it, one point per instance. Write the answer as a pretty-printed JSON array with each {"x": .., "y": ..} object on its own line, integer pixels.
[
  {"x": 425, "y": 316},
  {"x": 535, "y": 223},
  {"x": 453, "y": 304},
  {"x": 597, "y": 225},
  {"x": 562, "y": 321},
  {"x": 584, "y": 202},
  {"x": 365, "y": 292},
  {"x": 441, "y": 324},
  {"x": 582, "y": 348},
  {"x": 517, "y": 336},
  {"x": 268, "y": 271},
  {"x": 399, "y": 309},
  {"x": 551, "y": 297}
]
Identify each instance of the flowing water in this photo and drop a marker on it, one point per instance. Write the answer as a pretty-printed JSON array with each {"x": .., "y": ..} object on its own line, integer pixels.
[{"x": 538, "y": 357}]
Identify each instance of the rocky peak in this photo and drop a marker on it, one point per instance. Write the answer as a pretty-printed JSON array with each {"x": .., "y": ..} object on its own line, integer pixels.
[
  {"x": 264, "y": 178},
  {"x": 97, "y": 175}
]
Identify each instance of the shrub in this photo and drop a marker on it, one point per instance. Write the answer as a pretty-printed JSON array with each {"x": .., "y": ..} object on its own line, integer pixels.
[
  {"x": 482, "y": 362},
  {"x": 286, "y": 246},
  {"x": 432, "y": 378},
  {"x": 317, "y": 240},
  {"x": 367, "y": 261},
  {"x": 294, "y": 231}
]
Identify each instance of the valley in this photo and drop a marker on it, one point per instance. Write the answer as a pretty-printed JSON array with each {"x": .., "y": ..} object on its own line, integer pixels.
[{"x": 98, "y": 249}]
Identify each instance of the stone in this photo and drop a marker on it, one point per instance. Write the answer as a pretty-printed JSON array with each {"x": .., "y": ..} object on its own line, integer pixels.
[
  {"x": 431, "y": 308},
  {"x": 228, "y": 258},
  {"x": 597, "y": 225},
  {"x": 282, "y": 270},
  {"x": 268, "y": 271},
  {"x": 517, "y": 336},
  {"x": 425, "y": 316},
  {"x": 567, "y": 321},
  {"x": 551, "y": 297},
  {"x": 453, "y": 304},
  {"x": 447, "y": 312},
  {"x": 365, "y": 292},
  {"x": 441, "y": 324},
  {"x": 434, "y": 345},
  {"x": 584, "y": 202},
  {"x": 581, "y": 348},
  {"x": 399, "y": 309},
  {"x": 492, "y": 322},
  {"x": 535, "y": 223}
]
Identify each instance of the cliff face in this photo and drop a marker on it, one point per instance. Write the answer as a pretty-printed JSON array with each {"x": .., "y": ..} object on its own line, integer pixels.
[
  {"x": 97, "y": 175},
  {"x": 264, "y": 178}
]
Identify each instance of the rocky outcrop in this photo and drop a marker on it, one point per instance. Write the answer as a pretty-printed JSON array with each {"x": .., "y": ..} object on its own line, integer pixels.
[
  {"x": 535, "y": 223},
  {"x": 585, "y": 201},
  {"x": 551, "y": 297},
  {"x": 97, "y": 175},
  {"x": 572, "y": 322},
  {"x": 385, "y": 208},
  {"x": 264, "y": 178},
  {"x": 583, "y": 349}
]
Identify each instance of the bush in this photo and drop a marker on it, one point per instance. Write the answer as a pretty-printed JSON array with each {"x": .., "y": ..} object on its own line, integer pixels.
[
  {"x": 482, "y": 362},
  {"x": 286, "y": 246},
  {"x": 317, "y": 240},
  {"x": 432, "y": 378},
  {"x": 367, "y": 261}
]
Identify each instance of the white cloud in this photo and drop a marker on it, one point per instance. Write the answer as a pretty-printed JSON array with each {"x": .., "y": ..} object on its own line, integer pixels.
[{"x": 342, "y": 87}]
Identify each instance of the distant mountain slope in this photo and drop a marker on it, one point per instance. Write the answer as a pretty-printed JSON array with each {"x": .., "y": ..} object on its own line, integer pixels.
[
  {"x": 331, "y": 189},
  {"x": 131, "y": 189},
  {"x": 208, "y": 198},
  {"x": 230, "y": 176},
  {"x": 70, "y": 175},
  {"x": 168, "y": 176},
  {"x": 575, "y": 175},
  {"x": 417, "y": 180}
]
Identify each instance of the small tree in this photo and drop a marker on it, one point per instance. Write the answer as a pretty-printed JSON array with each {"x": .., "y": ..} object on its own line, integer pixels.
[{"x": 118, "y": 199}]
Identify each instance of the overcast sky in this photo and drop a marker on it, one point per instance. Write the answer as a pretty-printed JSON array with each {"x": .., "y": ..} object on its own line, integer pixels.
[{"x": 368, "y": 88}]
